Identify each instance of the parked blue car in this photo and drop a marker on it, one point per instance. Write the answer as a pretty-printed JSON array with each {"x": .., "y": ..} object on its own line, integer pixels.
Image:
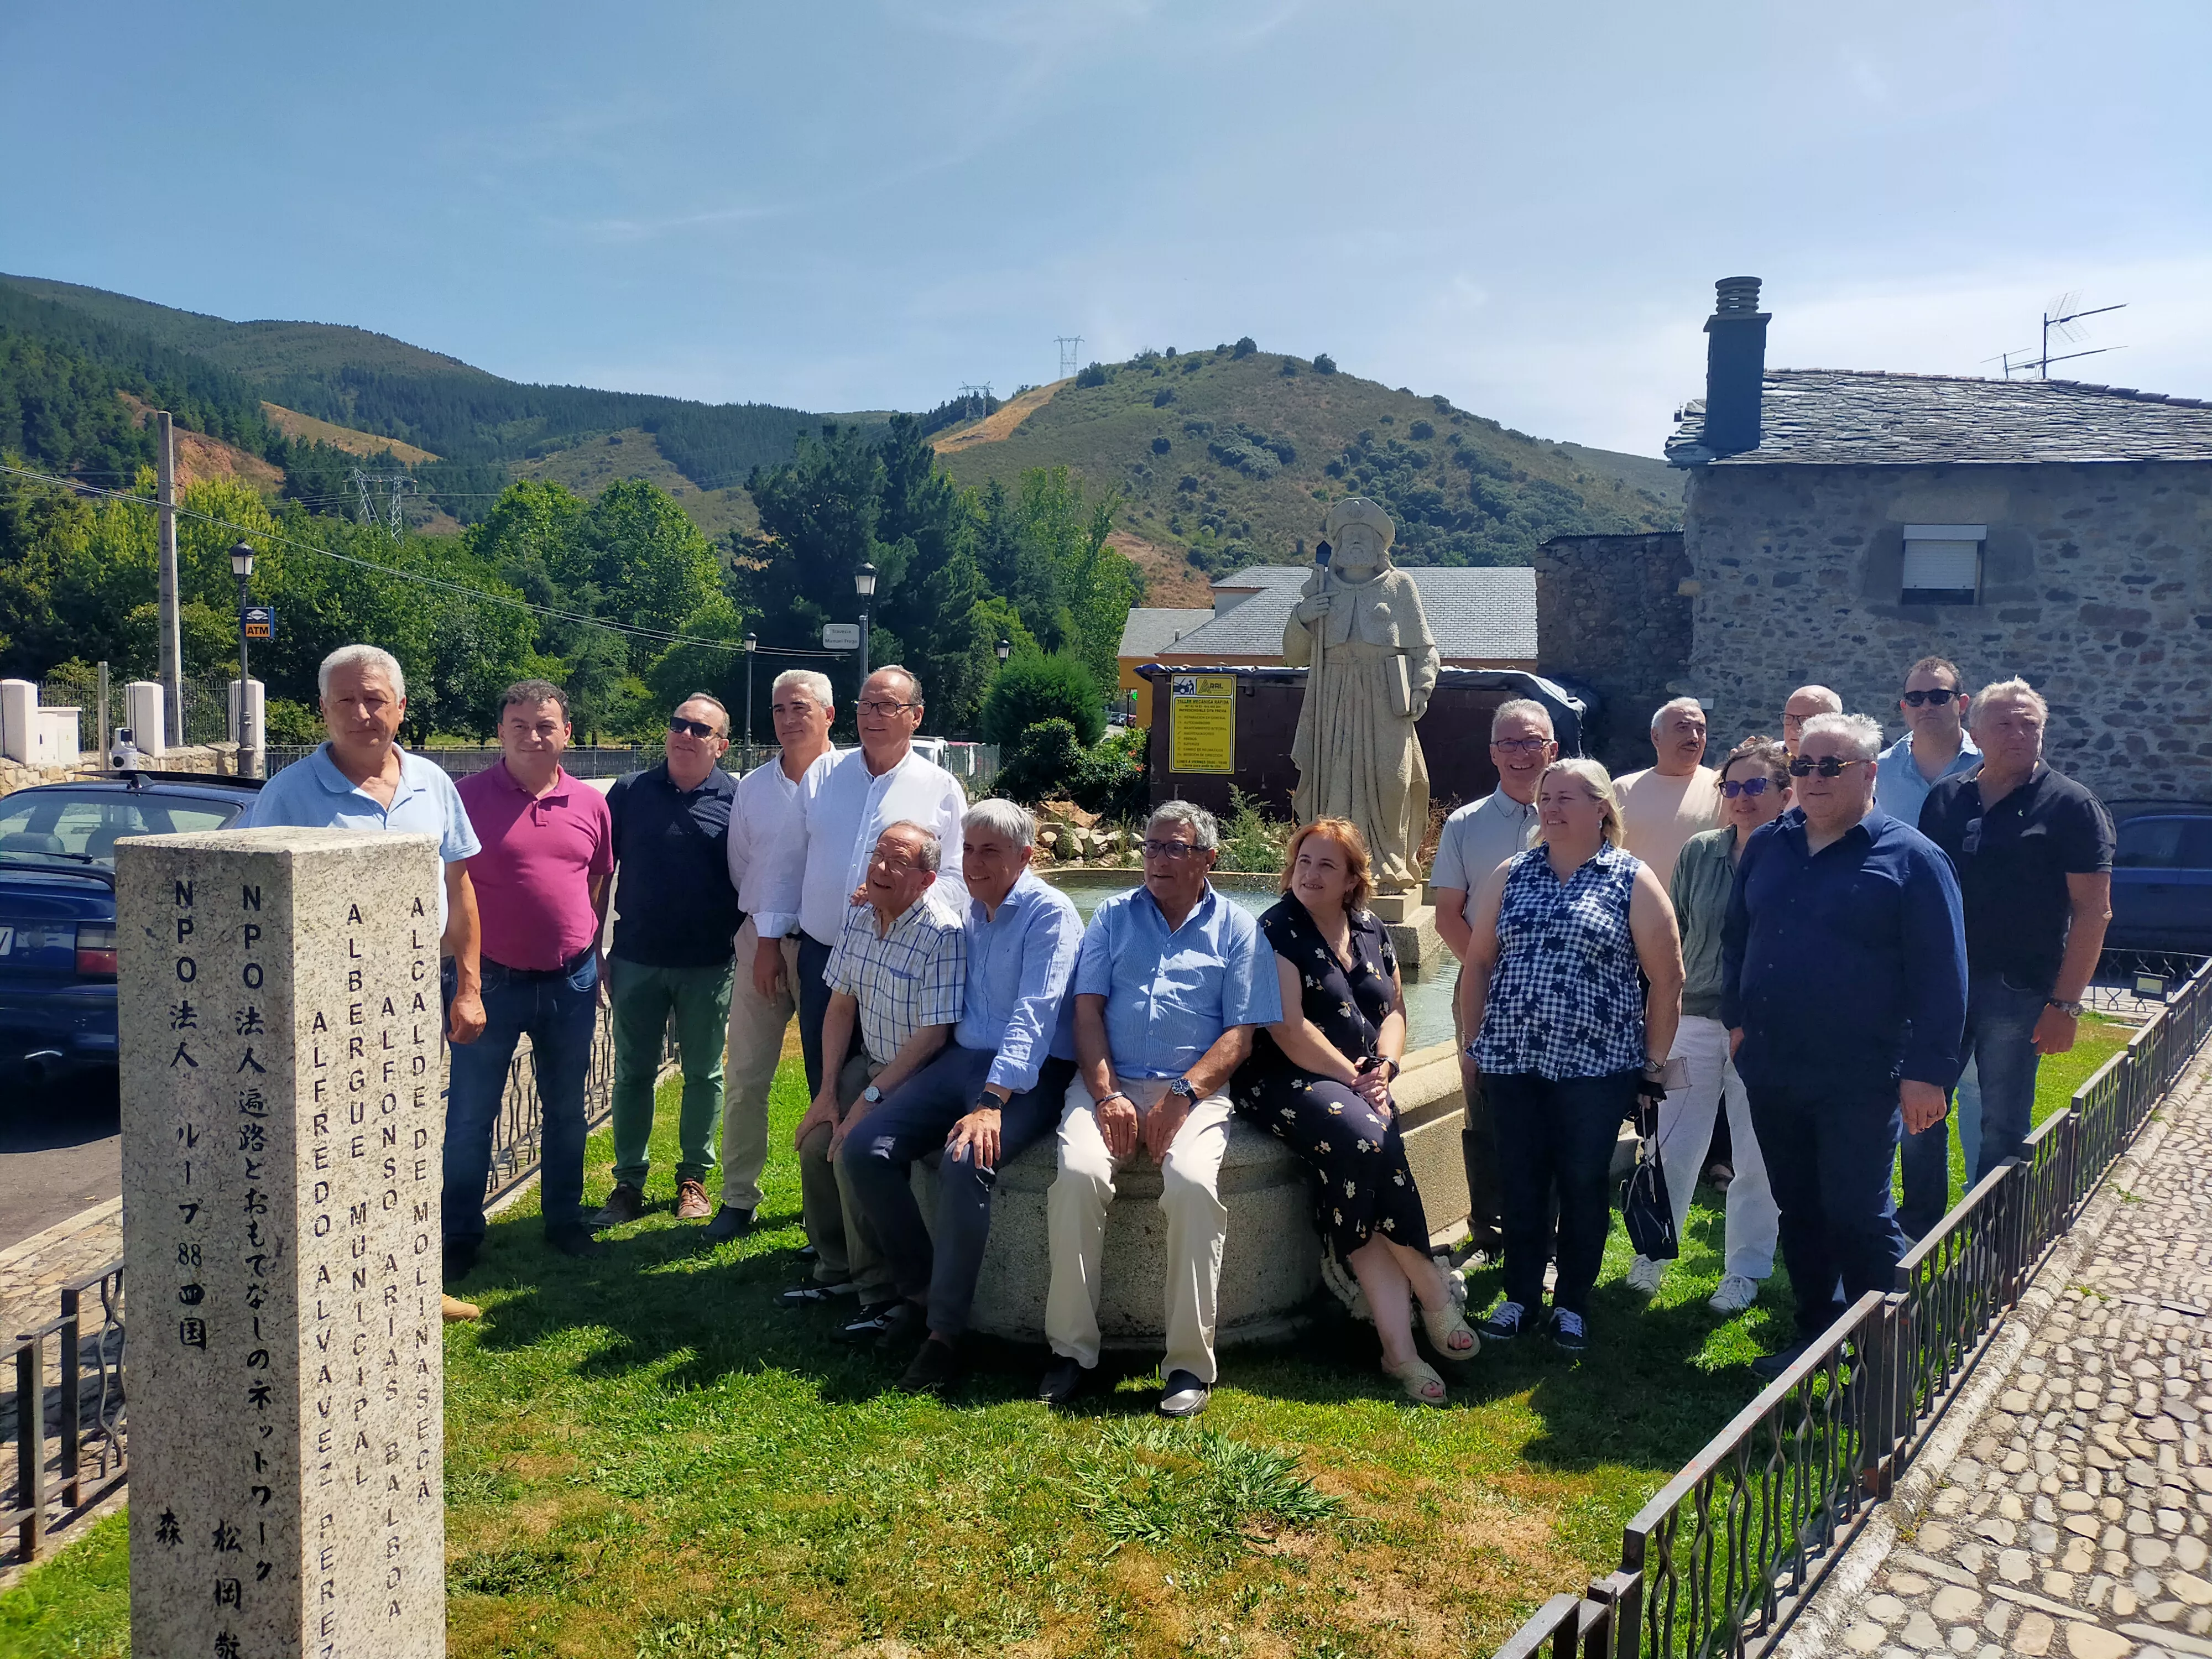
[
  {"x": 2162, "y": 883},
  {"x": 57, "y": 906}
]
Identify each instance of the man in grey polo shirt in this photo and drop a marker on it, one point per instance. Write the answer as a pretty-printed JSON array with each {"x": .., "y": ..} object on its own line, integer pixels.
[{"x": 1474, "y": 841}]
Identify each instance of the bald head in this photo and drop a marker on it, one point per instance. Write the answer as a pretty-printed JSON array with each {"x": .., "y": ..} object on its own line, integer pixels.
[{"x": 1804, "y": 703}]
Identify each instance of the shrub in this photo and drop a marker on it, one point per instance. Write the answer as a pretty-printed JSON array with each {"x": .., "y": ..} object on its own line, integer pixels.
[
  {"x": 1250, "y": 840},
  {"x": 1033, "y": 688},
  {"x": 1188, "y": 480},
  {"x": 1245, "y": 347},
  {"x": 1289, "y": 367},
  {"x": 1038, "y": 765},
  {"x": 1094, "y": 375},
  {"x": 1420, "y": 429},
  {"x": 1163, "y": 397},
  {"x": 1323, "y": 363},
  {"x": 1161, "y": 445}
]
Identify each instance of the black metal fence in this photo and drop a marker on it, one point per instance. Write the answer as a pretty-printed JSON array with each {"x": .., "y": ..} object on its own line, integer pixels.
[
  {"x": 1730, "y": 1550},
  {"x": 974, "y": 763},
  {"x": 66, "y": 1416}
]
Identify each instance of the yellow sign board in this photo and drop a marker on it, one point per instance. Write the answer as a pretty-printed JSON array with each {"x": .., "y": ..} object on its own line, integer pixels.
[{"x": 1203, "y": 735}]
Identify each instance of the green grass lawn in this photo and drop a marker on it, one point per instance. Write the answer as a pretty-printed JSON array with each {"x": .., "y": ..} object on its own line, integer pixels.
[{"x": 646, "y": 1458}]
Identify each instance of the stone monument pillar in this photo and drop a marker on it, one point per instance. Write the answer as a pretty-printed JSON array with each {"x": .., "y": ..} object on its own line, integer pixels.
[{"x": 283, "y": 1112}]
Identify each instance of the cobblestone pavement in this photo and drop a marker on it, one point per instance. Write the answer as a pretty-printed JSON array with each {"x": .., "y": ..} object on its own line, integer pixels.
[
  {"x": 2074, "y": 1516},
  {"x": 33, "y": 1272}
]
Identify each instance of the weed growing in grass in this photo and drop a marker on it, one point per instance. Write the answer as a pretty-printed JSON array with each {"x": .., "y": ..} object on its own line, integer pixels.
[{"x": 1156, "y": 1484}]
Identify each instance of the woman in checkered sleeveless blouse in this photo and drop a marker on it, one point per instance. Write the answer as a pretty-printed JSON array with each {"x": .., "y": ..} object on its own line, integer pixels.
[{"x": 1566, "y": 1037}]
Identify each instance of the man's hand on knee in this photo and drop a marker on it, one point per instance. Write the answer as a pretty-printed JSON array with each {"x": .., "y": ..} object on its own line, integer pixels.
[{"x": 1117, "y": 1124}]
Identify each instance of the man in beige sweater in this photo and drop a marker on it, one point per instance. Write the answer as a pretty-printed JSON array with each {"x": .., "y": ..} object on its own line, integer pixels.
[{"x": 1678, "y": 797}]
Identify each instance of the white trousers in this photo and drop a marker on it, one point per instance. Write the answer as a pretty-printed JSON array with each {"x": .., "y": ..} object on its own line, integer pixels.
[
  {"x": 1685, "y": 1132},
  {"x": 757, "y": 1027},
  {"x": 1198, "y": 1221}
]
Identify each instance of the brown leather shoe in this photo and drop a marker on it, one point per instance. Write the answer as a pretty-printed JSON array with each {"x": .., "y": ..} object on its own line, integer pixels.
[
  {"x": 624, "y": 1205},
  {"x": 691, "y": 1202}
]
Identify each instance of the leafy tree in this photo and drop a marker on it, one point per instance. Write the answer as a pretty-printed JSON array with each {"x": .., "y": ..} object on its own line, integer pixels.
[
  {"x": 1323, "y": 363},
  {"x": 1245, "y": 347},
  {"x": 1034, "y": 688}
]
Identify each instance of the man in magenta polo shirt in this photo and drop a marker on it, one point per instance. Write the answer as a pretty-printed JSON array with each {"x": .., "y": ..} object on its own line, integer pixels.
[{"x": 541, "y": 885}]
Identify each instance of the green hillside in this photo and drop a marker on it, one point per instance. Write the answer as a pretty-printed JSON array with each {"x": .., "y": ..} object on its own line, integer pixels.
[
  {"x": 590, "y": 466},
  {"x": 1234, "y": 455}
]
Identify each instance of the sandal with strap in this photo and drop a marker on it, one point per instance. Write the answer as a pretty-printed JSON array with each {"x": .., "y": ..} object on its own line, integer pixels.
[
  {"x": 1420, "y": 1380},
  {"x": 1445, "y": 1326}
]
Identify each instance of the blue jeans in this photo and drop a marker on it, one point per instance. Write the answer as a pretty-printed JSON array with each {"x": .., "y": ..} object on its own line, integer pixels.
[
  {"x": 558, "y": 1013},
  {"x": 1994, "y": 1109},
  {"x": 1829, "y": 1150},
  {"x": 1556, "y": 1135},
  {"x": 879, "y": 1154}
]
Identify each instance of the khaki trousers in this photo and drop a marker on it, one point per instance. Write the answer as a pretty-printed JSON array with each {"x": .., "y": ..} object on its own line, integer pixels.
[
  {"x": 1198, "y": 1221},
  {"x": 845, "y": 1245},
  {"x": 757, "y": 1027}
]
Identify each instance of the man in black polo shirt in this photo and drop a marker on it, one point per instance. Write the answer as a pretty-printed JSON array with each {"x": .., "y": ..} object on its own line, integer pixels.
[
  {"x": 676, "y": 924},
  {"x": 2033, "y": 850}
]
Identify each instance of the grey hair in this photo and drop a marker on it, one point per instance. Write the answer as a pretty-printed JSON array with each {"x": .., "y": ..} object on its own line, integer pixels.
[
  {"x": 1521, "y": 706},
  {"x": 1830, "y": 701},
  {"x": 1861, "y": 732},
  {"x": 2015, "y": 689},
  {"x": 365, "y": 657},
  {"x": 1204, "y": 831},
  {"x": 1659, "y": 714},
  {"x": 1002, "y": 817},
  {"x": 932, "y": 850},
  {"x": 709, "y": 697},
  {"x": 813, "y": 681},
  {"x": 912, "y": 679}
]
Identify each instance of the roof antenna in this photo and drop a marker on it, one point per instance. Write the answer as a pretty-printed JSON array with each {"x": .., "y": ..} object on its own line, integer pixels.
[{"x": 2064, "y": 316}]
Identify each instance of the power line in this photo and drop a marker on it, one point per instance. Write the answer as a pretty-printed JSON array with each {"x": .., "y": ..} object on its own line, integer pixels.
[{"x": 439, "y": 582}]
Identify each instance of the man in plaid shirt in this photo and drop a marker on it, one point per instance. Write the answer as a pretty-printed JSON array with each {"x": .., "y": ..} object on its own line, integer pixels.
[{"x": 898, "y": 972}]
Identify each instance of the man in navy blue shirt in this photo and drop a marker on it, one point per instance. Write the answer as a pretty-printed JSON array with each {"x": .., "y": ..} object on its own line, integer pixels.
[{"x": 1843, "y": 986}]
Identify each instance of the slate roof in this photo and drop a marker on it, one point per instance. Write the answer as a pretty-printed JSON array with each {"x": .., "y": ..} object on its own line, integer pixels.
[
  {"x": 1482, "y": 615},
  {"x": 1151, "y": 629},
  {"x": 1842, "y": 417}
]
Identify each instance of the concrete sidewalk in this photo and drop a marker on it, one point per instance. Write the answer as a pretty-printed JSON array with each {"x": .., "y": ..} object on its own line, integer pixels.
[
  {"x": 34, "y": 1270},
  {"x": 2065, "y": 1505}
]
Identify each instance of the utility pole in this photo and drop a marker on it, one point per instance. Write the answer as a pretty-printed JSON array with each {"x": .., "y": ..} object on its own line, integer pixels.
[{"x": 170, "y": 645}]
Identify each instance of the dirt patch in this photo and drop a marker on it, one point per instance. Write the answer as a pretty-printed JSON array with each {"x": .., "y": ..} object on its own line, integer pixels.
[
  {"x": 201, "y": 457},
  {"x": 308, "y": 428},
  {"x": 999, "y": 424},
  {"x": 1171, "y": 581}
]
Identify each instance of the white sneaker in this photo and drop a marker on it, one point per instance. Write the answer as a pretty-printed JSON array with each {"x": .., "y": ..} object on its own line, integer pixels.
[
  {"x": 1736, "y": 1294},
  {"x": 1645, "y": 1276}
]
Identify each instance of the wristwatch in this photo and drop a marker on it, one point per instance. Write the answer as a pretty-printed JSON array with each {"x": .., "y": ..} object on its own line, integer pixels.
[
  {"x": 872, "y": 1094},
  {"x": 1181, "y": 1088},
  {"x": 2072, "y": 1009}
]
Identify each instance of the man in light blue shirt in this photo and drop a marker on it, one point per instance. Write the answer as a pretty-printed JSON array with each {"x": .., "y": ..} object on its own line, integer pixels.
[
  {"x": 1171, "y": 979},
  {"x": 1936, "y": 744},
  {"x": 362, "y": 778},
  {"x": 995, "y": 1090}
]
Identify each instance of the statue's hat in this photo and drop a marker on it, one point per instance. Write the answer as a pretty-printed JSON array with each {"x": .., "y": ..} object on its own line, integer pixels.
[{"x": 1357, "y": 509}]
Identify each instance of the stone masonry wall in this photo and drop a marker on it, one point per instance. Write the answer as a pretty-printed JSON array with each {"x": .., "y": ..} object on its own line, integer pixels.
[
  {"x": 1609, "y": 613},
  {"x": 2097, "y": 589},
  {"x": 216, "y": 759}
]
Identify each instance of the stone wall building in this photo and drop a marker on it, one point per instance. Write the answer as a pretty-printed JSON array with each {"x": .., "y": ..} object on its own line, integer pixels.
[
  {"x": 1612, "y": 615},
  {"x": 1839, "y": 524}
]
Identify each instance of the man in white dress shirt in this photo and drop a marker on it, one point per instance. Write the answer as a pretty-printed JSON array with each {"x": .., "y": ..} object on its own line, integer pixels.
[
  {"x": 769, "y": 812},
  {"x": 814, "y": 877}
]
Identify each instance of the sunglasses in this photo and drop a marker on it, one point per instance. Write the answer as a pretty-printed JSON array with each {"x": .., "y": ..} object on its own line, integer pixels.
[
  {"x": 1754, "y": 787},
  {"x": 1939, "y": 696},
  {"x": 696, "y": 728},
  {"x": 1804, "y": 766}
]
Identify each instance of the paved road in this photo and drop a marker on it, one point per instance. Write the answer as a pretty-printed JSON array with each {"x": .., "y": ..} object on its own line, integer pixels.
[{"x": 60, "y": 1150}]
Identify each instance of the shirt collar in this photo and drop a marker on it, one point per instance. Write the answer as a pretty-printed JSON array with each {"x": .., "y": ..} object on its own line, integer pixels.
[
  {"x": 677, "y": 790},
  {"x": 558, "y": 792},
  {"x": 1969, "y": 753},
  {"x": 1505, "y": 806},
  {"x": 325, "y": 772},
  {"x": 1198, "y": 912},
  {"x": 1793, "y": 822}
]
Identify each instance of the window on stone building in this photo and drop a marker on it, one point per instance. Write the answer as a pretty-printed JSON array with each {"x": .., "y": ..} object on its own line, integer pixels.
[{"x": 1943, "y": 564}]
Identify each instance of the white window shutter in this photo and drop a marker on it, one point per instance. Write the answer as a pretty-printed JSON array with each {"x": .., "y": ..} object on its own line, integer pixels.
[{"x": 1943, "y": 558}]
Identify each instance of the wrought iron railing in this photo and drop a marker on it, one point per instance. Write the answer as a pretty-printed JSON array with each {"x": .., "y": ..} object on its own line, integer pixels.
[
  {"x": 1729, "y": 1550},
  {"x": 66, "y": 1416}
]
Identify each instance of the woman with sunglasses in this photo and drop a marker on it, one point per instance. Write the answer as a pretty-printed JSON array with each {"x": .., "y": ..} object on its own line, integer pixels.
[{"x": 1754, "y": 790}]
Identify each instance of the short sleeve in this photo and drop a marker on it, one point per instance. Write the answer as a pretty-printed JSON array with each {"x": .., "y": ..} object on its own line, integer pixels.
[
  {"x": 1250, "y": 991},
  {"x": 460, "y": 838},
  {"x": 603, "y": 849},
  {"x": 2090, "y": 838},
  {"x": 1094, "y": 959},
  {"x": 1450, "y": 869},
  {"x": 1383, "y": 948}
]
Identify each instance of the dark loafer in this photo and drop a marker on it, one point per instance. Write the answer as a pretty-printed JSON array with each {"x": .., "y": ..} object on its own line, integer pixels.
[
  {"x": 1065, "y": 1379},
  {"x": 933, "y": 1369},
  {"x": 574, "y": 1240},
  {"x": 729, "y": 1223},
  {"x": 1184, "y": 1396},
  {"x": 901, "y": 1326},
  {"x": 868, "y": 1324},
  {"x": 623, "y": 1206}
]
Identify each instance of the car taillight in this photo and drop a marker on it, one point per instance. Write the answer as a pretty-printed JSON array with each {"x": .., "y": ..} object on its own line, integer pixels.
[{"x": 96, "y": 949}]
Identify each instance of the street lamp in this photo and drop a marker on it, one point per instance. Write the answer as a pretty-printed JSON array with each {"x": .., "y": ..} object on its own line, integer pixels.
[
  {"x": 241, "y": 566},
  {"x": 1006, "y": 649},
  {"x": 864, "y": 584},
  {"x": 752, "y": 645}
]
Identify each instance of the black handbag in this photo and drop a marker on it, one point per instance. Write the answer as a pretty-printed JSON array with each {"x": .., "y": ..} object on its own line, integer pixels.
[{"x": 1645, "y": 1208}]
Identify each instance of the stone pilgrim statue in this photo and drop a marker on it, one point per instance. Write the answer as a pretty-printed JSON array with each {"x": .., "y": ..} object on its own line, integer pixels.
[{"x": 1357, "y": 626}]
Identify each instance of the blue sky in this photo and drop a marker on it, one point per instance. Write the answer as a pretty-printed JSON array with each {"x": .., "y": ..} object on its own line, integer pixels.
[{"x": 853, "y": 205}]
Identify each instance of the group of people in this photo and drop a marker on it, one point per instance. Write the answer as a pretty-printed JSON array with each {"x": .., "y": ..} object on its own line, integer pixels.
[
  {"x": 1830, "y": 939},
  {"x": 1774, "y": 936}
]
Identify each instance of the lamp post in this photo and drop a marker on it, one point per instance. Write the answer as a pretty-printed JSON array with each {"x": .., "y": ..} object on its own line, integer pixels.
[
  {"x": 864, "y": 584},
  {"x": 241, "y": 566},
  {"x": 752, "y": 645},
  {"x": 1006, "y": 649}
]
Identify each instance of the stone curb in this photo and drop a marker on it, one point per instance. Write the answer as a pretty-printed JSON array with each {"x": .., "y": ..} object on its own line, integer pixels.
[
  {"x": 1813, "y": 1633},
  {"x": 61, "y": 1231}
]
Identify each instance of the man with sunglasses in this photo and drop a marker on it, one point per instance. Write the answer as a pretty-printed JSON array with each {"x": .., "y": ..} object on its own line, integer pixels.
[
  {"x": 675, "y": 917},
  {"x": 1936, "y": 744},
  {"x": 1843, "y": 989},
  {"x": 2035, "y": 854}
]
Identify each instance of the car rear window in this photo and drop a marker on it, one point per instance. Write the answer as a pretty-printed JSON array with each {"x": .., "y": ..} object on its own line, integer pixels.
[
  {"x": 90, "y": 823},
  {"x": 2173, "y": 843}
]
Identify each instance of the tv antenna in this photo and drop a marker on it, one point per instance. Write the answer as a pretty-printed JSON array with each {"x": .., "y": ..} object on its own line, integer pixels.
[
  {"x": 1071, "y": 349},
  {"x": 979, "y": 398},
  {"x": 2062, "y": 317}
]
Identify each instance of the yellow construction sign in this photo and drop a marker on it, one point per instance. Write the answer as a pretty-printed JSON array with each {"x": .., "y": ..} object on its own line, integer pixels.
[{"x": 1202, "y": 737}]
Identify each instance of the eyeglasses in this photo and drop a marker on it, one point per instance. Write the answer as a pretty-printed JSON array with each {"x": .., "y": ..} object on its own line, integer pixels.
[
  {"x": 1939, "y": 696},
  {"x": 1734, "y": 786},
  {"x": 877, "y": 705},
  {"x": 1803, "y": 765},
  {"x": 1521, "y": 745},
  {"x": 696, "y": 728},
  {"x": 1172, "y": 850}
]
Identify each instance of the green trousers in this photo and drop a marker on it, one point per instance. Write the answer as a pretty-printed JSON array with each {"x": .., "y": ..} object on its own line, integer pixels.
[{"x": 643, "y": 1000}]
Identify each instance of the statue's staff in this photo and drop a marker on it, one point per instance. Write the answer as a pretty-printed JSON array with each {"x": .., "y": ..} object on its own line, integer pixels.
[{"x": 1322, "y": 554}]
